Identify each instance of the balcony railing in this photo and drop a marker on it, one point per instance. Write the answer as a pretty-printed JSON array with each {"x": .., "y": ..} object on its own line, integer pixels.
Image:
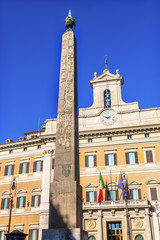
[{"x": 118, "y": 203}]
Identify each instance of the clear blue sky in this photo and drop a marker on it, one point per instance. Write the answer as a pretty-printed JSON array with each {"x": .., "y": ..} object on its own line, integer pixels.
[{"x": 128, "y": 32}]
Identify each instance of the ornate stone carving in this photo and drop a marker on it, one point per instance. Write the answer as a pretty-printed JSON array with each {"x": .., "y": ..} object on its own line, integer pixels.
[
  {"x": 48, "y": 151},
  {"x": 91, "y": 224},
  {"x": 138, "y": 222},
  {"x": 66, "y": 170}
]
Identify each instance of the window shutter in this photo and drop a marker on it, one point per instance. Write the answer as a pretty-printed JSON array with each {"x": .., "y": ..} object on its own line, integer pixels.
[
  {"x": 37, "y": 233},
  {"x": 115, "y": 159},
  {"x": 149, "y": 156},
  {"x": 41, "y": 165},
  {"x": 24, "y": 202},
  {"x": 20, "y": 168},
  {"x": 127, "y": 158},
  {"x": 27, "y": 171},
  {"x": 2, "y": 204},
  {"x": 17, "y": 202},
  {"x": 12, "y": 170},
  {"x": 9, "y": 203},
  {"x": 39, "y": 200},
  {"x": 117, "y": 197},
  {"x": 95, "y": 196},
  {"x": 32, "y": 202},
  {"x": 139, "y": 194},
  {"x": 136, "y": 157},
  {"x": 95, "y": 161},
  {"x": 6, "y": 170},
  {"x": 30, "y": 235},
  {"x": 153, "y": 194},
  {"x": 108, "y": 195},
  {"x": 87, "y": 196},
  {"x": 86, "y": 162},
  {"x": 130, "y": 194},
  {"x": 34, "y": 166},
  {"x": 52, "y": 163},
  {"x": 106, "y": 159}
]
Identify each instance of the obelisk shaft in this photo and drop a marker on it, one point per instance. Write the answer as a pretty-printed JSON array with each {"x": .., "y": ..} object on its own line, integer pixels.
[{"x": 66, "y": 198}]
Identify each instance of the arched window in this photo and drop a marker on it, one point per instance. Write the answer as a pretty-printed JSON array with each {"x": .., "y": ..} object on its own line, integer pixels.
[
  {"x": 107, "y": 99},
  {"x": 92, "y": 238},
  {"x": 139, "y": 237}
]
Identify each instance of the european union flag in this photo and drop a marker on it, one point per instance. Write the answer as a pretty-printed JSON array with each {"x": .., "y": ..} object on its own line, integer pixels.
[{"x": 121, "y": 186}]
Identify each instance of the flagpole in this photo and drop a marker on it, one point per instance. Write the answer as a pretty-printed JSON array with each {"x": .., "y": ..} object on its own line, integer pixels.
[{"x": 111, "y": 184}]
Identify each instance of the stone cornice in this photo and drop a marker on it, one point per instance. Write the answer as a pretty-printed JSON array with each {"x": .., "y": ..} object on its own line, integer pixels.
[
  {"x": 28, "y": 142},
  {"x": 119, "y": 131},
  {"x": 43, "y": 139}
]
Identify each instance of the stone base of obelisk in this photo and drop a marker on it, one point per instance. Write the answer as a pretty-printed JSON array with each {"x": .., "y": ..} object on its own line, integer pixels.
[{"x": 64, "y": 234}]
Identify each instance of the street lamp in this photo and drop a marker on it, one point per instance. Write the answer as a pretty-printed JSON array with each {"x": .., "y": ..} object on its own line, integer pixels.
[
  {"x": 126, "y": 197},
  {"x": 13, "y": 186}
]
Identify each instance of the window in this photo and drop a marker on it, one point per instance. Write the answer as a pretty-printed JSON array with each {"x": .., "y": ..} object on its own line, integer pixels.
[
  {"x": 24, "y": 168},
  {"x": 112, "y": 195},
  {"x": 92, "y": 238},
  {"x": 39, "y": 147},
  {"x": 10, "y": 151},
  {"x": 38, "y": 166},
  {"x": 129, "y": 137},
  {"x": 135, "y": 194},
  {"x": 90, "y": 161},
  {"x": 110, "y": 159},
  {"x": 89, "y": 140},
  {"x": 91, "y": 196},
  {"x": 25, "y": 149},
  {"x": 153, "y": 192},
  {"x": 114, "y": 230},
  {"x": 21, "y": 202},
  {"x": 5, "y": 203},
  {"x": 109, "y": 138},
  {"x": 107, "y": 99},
  {"x": 33, "y": 234},
  {"x": 2, "y": 236},
  {"x": 139, "y": 237},
  {"x": 149, "y": 156},
  {"x": 146, "y": 135},
  {"x": 9, "y": 169},
  {"x": 131, "y": 157},
  {"x": 53, "y": 163},
  {"x": 36, "y": 201}
]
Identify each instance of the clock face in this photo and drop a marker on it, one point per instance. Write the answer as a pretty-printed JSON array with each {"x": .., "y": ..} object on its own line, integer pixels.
[{"x": 108, "y": 116}]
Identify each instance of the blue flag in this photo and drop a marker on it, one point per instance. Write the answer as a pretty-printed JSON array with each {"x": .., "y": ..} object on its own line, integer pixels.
[{"x": 121, "y": 186}]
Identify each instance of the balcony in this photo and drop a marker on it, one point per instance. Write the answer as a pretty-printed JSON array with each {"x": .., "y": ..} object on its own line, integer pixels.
[{"x": 116, "y": 204}]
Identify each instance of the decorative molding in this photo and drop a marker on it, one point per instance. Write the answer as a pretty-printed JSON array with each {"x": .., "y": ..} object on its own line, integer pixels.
[
  {"x": 48, "y": 151},
  {"x": 91, "y": 185},
  {"x": 152, "y": 181}
]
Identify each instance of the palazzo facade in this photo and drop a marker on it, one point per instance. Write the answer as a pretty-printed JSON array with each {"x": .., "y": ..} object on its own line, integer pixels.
[{"x": 114, "y": 137}]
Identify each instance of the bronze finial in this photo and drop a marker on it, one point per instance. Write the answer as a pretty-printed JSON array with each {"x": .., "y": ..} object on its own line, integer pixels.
[{"x": 69, "y": 21}]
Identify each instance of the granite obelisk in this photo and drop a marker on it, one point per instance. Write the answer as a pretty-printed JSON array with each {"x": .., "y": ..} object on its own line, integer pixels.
[{"x": 66, "y": 192}]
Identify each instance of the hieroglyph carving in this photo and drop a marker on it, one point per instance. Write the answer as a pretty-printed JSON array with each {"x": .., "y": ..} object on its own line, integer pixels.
[{"x": 65, "y": 118}]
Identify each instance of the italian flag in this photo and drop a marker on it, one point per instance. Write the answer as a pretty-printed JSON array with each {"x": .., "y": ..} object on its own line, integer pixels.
[{"x": 101, "y": 187}]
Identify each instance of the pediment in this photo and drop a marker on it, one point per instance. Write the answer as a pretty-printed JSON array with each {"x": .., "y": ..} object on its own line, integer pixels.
[
  {"x": 112, "y": 184},
  {"x": 106, "y": 75},
  {"x": 151, "y": 181},
  {"x": 6, "y": 193},
  {"x": 22, "y": 191},
  {"x": 91, "y": 185},
  {"x": 36, "y": 190},
  {"x": 134, "y": 183}
]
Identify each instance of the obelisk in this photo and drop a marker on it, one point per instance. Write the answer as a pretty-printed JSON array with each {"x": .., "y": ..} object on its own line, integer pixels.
[{"x": 65, "y": 220}]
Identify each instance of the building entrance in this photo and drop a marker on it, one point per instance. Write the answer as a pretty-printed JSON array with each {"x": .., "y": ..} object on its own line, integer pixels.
[{"x": 114, "y": 231}]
